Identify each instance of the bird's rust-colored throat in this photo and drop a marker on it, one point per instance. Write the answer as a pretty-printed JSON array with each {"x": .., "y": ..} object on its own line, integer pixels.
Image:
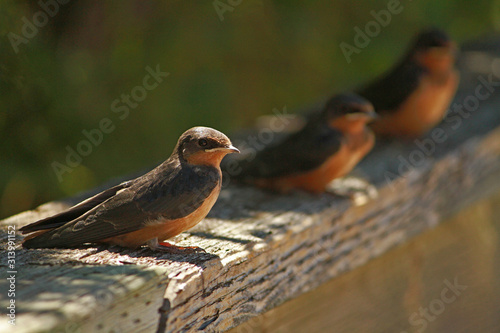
[
  {"x": 439, "y": 59},
  {"x": 349, "y": 126},
  {"x": 212, "y": 158}
]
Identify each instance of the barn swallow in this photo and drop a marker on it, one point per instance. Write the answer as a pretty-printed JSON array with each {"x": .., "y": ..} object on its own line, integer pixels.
[
  {"x": 161, "y": 204},
  {"x": 414, "y": 95},
  {"x": 329, "y": 145}
]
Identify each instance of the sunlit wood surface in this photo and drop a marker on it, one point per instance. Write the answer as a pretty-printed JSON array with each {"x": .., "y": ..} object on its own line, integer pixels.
[{"x": 392, "y": 293}]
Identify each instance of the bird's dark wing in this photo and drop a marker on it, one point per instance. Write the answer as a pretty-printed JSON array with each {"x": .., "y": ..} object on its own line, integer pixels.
[
  {"x": 99, "y": 223},
  {"x": 72, "y": 213},
  {"x": 301, "y": 152},
  {"x": 161, "y": 194},
  {"x": 389, "y": 91},
  {"x": 179, "y": 194}
]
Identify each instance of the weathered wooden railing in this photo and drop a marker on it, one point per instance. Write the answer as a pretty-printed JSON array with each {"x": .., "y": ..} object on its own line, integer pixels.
[{"x": 262, "y": 248}]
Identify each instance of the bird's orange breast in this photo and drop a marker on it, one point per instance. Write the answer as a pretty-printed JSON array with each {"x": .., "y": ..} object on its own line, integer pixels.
[
  {"x": 338, "y": 165},
  {"x": 164, "y": 229},
  {"x": 422, "y": 110}
]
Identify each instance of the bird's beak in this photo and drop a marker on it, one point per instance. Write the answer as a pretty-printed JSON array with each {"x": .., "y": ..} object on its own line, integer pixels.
[
  {"x": 228, "y": 149},
  {"x": 373, "y": 115},
  {"x": 232, "y": 149}
]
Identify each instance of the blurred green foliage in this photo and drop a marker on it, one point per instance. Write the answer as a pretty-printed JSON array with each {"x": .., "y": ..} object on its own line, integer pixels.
[{"x": 223, "y": 74}]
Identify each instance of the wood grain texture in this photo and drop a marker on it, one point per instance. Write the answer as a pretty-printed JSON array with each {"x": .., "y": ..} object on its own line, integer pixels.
[
  {"x": 262, "y": 248},
  {"x": 390, "y": 293}
]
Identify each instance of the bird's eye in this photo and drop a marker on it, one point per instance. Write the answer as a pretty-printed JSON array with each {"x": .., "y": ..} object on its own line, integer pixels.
[{"x": 202, "y": 142}]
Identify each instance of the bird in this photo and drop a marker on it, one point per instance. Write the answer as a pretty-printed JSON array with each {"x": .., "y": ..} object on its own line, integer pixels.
[
  {"x": 328, "y": 146},
  {"x": 170, "y": 199},
  {"x": 413, "y": 96}
]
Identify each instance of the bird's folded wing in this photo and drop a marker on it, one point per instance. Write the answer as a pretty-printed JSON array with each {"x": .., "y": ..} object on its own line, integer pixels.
[
  {"x": 117, "y": 216},
  {"x": 302, "y": 152},
  {"x": 72, "y": 213},
  {"x": 130, "y": 210},
  {"x": 391, "y": 90}
]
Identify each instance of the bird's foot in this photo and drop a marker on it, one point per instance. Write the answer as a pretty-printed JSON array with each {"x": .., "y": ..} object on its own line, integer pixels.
[
  {"x": 358, "y": 190},
  {"x": 170, "y": 248}
]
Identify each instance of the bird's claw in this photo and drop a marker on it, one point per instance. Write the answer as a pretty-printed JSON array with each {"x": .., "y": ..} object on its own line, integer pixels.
[
  {"x": 170, "y": 248},
  {"x": 356, "y": 189}
]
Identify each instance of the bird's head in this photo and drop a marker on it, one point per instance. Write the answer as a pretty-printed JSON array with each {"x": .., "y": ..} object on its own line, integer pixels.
[
  {"x": 204, "y": 146},
  {"x": 348, "y": 112},
  {"x": 434, "y": 50}
]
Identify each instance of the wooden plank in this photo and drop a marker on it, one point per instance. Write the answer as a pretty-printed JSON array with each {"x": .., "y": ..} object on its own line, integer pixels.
[
  {"x": 262, "y": 248},
  {"x": 407, "y": 289}
]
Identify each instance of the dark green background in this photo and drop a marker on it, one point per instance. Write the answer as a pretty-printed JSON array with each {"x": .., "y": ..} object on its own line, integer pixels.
[{"x": 263, "y": 55}]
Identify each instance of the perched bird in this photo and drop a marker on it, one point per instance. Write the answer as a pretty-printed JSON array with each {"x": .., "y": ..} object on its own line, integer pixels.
[
  {"x": 328, "y": 146},
  {"x": 413, "y": 96},
  {"x": 168, "y": 200}
]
